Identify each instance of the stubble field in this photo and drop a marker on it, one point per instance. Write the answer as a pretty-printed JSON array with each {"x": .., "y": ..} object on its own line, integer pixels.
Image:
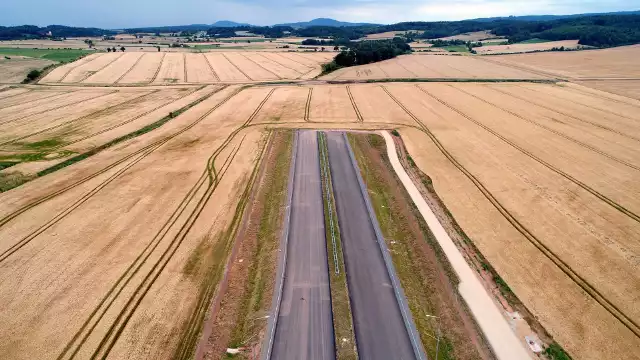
[
  {"x": 183, "y": 67},
  {"x": 434, "y": 67},
  {"x": 122, "y": 247}
]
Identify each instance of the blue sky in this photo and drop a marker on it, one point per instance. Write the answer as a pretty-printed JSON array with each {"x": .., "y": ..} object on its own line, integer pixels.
[{"x": 133, "y": 13}]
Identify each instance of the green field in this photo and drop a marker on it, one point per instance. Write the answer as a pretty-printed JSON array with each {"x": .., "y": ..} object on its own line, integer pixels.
[
  {"x": 534, "y": 41},
  {"x": 455, "y": 48},
  {"x": 59, "y": 55}
]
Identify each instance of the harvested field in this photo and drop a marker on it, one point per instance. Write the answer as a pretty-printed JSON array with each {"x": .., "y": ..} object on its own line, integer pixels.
[
  {"x": 44, "y": 138},
  {"x": 541, "y": 177},
  {"x": 614, "y": 63},
  {"x": 150, "y": 283},
  {"x": 627, "y": 88},
  {"x": 431, "y": 66},
  {"x": 184, "y": 67},
  {"x": 15, "y": 69},
  {"x": 520, "y": 48}
]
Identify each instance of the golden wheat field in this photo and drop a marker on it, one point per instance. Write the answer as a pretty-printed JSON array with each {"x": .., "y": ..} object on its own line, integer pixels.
[
  {"x": 540, "y": 176},
  {"x": 184, "y": 67}
]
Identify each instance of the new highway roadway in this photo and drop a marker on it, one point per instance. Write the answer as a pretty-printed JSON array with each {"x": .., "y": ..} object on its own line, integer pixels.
[
  {"x": 304, "y": 328},
  {"x": 378, "y": 322}
]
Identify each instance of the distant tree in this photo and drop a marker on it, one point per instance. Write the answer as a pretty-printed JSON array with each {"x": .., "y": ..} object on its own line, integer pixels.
[
  {"x": 158, "y": 48},
  {"x": 108, "y": 49},
  {"x": 122, "y": 49},
  {"x": 113, "y": 49},
  {"x": 336, "y": 48},
  {"x": 322, "y": 48}
]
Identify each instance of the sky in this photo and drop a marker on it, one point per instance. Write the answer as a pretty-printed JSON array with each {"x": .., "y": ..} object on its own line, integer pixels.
[{"x": 116, "y": 14}]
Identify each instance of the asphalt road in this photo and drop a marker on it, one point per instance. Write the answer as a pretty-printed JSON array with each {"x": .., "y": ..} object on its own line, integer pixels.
[
  {"x": 305, "y": 326},
  {"x": 379, "y": 327}
]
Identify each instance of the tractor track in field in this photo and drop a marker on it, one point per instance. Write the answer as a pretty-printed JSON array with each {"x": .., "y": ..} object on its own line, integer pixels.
[
  {"x": 260, "y": 66},
  {"x": 90, "y": 74},
  {"x": 236, "y": 66},
  {"x": 353, "y": 103},
  {"x": 567, "y": 115},
  {"x": 144, "y": 255},
  {"x": 73, "y": 68},
  {"x": 97, "y": 112},
  {"x": 133, "y": 118},
  {"x": 563, "y": 266},
  {"x": 184, "y": 68},
  {"x": 584, "y": 186},
  {"x": 214, "y": 179},
  {"x": 31, "y": 91},
  {"x": 587, "y": 146},
  {"x": 129, "y": 70},
  {"x": 62, "y": 106},
  {"x": 594, "y": 94},
  {"x": 213, "y": 72},
  {"x": 587, "y": 106},
  {"x": 281, "y": 64},
  {"x": 18, "y": 94},
  {"x": 307, "y": 107},
  {"x": 155, "y": 75},
  {"x": 144, "y": 151}
]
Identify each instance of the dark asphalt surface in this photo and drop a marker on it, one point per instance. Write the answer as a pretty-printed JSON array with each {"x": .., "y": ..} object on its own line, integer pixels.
[
  {"x": 305, "y": 326},
  {"x": 379, "y": 327}
]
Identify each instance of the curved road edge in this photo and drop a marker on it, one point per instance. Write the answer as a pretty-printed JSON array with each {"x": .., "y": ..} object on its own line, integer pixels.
[
  {"x": 280, "y": 270},
  {"x": 504, "y": 342},
  {"x": 395, "y": 282}
]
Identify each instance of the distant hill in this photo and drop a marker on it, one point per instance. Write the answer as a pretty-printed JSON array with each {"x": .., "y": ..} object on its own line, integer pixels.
[
  {"x": 227, "y": 23},
  {"x": 553, "y": 17},
  {"x": 322, "y": 22}
]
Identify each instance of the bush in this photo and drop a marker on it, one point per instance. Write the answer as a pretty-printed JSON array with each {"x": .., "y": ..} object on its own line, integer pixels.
[
  {"x": 555, "y": 352},
  {"x": 395, "y": 132},
  {"x": 330, "y": 67}
]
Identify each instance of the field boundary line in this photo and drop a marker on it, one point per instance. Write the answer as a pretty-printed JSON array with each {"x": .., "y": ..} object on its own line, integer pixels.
[
  {"x": 596, "y": 150},
  {"x": 272, "y": 321},
  {"x": 567, "y": 115},
  {"x": 236, "y": 66},
  {"x": 353, "y": 103},
  {"x": 215, "y": 75},
  {"x": 131, "y": 68},
  {"x": 176, "y": 240},
  {"x": 401, "y": 299},
  {"x": 129, "y": 120},
  {"x": 586, "y": 187},
  {"x": 63, "y": 106},
  {"x": 262, "y": 67},
  {"x": 78, "y": 119},
  {"x": 184, "y": 68},
  {"x": 160, "y": 235},
  {"x": 9, "y": 217},
  {"x": 307, "y": 108},
  {"x": 90, "y": 74},
  {"x": 564, "y": 267},
  {"x": 155, "y": 75}
]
